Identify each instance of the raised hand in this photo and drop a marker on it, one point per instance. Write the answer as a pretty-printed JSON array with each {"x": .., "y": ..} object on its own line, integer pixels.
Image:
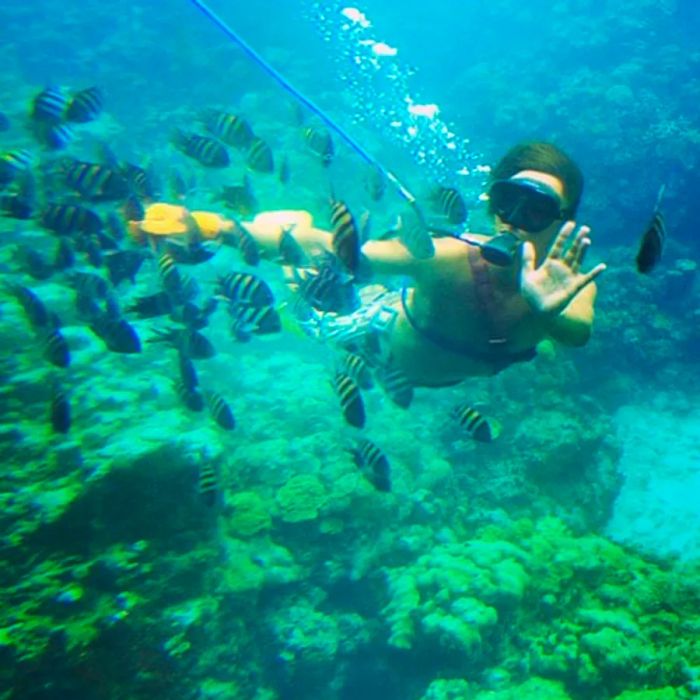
[{"x": 550, "y": 287}]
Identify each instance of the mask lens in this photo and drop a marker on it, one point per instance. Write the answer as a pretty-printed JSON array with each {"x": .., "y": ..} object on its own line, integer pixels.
[{"x": 526, "y": 204}]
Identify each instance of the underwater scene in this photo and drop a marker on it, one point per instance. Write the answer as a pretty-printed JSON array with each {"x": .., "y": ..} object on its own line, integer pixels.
[{"x": 349, "y": 352}]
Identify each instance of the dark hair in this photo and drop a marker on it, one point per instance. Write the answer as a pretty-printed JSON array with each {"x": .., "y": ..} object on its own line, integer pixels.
[{"x": 547, "y": 158}]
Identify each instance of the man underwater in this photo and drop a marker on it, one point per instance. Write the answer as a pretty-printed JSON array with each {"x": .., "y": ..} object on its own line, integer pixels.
[{"x": 460, "y": 315}]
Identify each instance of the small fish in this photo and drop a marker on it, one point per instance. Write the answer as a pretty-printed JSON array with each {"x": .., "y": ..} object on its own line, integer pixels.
[
  {"x": 187, "y": 341},
  {"x": 208, "y": 484},
  {"x": 85, "y": 106},
  {"x": 327, "y": 288},
  {"x": 191, "y": 397},
  {"x": 192, "y": 316},
  {"x": 188, "y": 373},
  {"x": 117, "y": 333},
  {"x": 291, "y": 252},
  {"x": 151, "y": 306},
  {"x": 123, "y": 265},
  {"x": 480, "y": 428},
  {"x": 373, "y": 463},
  {"x": 60, "y": 411},
  {"x": 55, "y": 136},
  {"x": 56, "y": 349},
  {"x": 66, "y": 219},
  {"x": 350, "y": 399},
  {"x": 33, "y": 262},
  {"x": 94, "y": 181},
  {"x": 355, "y": 366},
  {"x": 133, "y": 209},
  {"x": 220, "y": 411},
  {"x": 414, "y": 234},
  {"x": 260, "y": 158},
  {"x": 16, "y": 207},
  {"x": 204, "y": 149},
  {"x": 64, "y": 256},
  {"x": 12, "y": 163},
  {"x": 49, "y": 106},
  {"x": 346, "y": 236},
  {"x": 90, "y": 245},
  {"x": 115, "y": 226},
  {"x": 651, "y": 244},
  {"x": 395, "y": 385},
  {"x": 245, "y": 288},
  {"x": 239, "y": 237},
  {"x": 35, "y": 311},
  {"x": 240, "y": 198},
  {"x": 320, "y": 142},
  {"x": 143, "y": 183},
  {"x": 284, "y": 173},
  {"x": 232, "y": 129},
  {"x": 180, "y": 287},
  {"x": 251, "y": 320},
  {"x": 180, "y": 187},
  {"x": 375, "y": 183},
  {"x": 450, "y": 202},
  {"x": 89, "y": 284}
]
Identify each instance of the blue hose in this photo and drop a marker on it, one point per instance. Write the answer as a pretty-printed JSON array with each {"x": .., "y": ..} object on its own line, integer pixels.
[{"x": 277, "y": 76}]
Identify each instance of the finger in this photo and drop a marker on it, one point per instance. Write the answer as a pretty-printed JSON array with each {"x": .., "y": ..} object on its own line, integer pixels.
[
  {"x": 586, "y": 279},
  {"x": 578, "y": 255},
  {"x": 528, "y": 258},
  {"x": 574, "y": 251},
  {"x": 560, "y": 241}
]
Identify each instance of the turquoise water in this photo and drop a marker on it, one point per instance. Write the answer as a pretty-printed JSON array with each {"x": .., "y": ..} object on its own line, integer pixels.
[{"x": 559, "y": 561}]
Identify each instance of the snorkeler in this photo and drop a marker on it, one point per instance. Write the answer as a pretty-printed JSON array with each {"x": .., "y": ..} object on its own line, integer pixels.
[{"x": 459, "y": 314}]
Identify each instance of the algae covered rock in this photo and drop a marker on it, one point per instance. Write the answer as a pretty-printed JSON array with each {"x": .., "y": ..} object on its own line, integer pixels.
[
  {"x": 249, "y": 514},
  {"x": 656, "y": 694},
  {"x": 532, "y": 689},
  {"x": 448, "y": 689},
  {"x": 301, "y": 498}
]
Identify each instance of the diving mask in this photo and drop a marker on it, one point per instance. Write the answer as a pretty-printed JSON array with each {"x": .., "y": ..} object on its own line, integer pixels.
[{"x": 524, "y": 203}]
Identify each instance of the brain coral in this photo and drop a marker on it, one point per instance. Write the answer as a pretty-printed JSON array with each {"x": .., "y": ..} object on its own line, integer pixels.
[
  {"x": 249, "y": 514},
  {"x": 301, "y": 498}
]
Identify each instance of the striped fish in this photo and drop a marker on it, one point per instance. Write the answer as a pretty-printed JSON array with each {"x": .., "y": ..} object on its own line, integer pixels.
[
  {"x": 373, "y": 464},
  {"x": 49, "y": 105},
  {"x": 450, "y": 202},
  {"x": 59, "y": 410},
  {"x": 260, "y": 156},
  {"x": 86, "y": 105},
  {"x": 239, "y": 237},
  {"x": 66, "y": 219},
  {"x": 480, "y": 428},
  {"x": 56, "y": 349},
  {"x": 651, "y": 245},
  {"x": 208, "y": 484},
  {"x": 95, "y": 181},
  {"x": 245, "y": 288},
  {"x": 351, "y": 402},
  {"x": 413, "y": 232},
  {"x": 190, "y": 396},
  {"x": 355, "y": 366},
  {"x": 346, "y": 236},
  {"x": 396, "y": 385},
  {"x": 232, "y": 129},
  {"x": 320, "y": 143},
  {"x": 220, "y": 411},
  {"x": 204, "y": 149}
]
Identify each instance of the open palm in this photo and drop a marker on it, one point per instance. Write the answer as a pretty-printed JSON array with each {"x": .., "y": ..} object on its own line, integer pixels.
[{"x": 550, "y": 287}]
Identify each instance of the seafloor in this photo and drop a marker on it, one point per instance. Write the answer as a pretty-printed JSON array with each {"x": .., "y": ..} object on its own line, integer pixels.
[{"x": 559, "y": 562}]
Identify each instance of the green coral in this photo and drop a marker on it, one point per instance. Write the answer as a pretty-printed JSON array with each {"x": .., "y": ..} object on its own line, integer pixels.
[
  {"x": 301, "y": 498},
  {"x": 249, "y": 514}
]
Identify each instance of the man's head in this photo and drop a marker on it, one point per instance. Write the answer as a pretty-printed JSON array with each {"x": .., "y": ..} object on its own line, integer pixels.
[{"x": 546, "y": 158}]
